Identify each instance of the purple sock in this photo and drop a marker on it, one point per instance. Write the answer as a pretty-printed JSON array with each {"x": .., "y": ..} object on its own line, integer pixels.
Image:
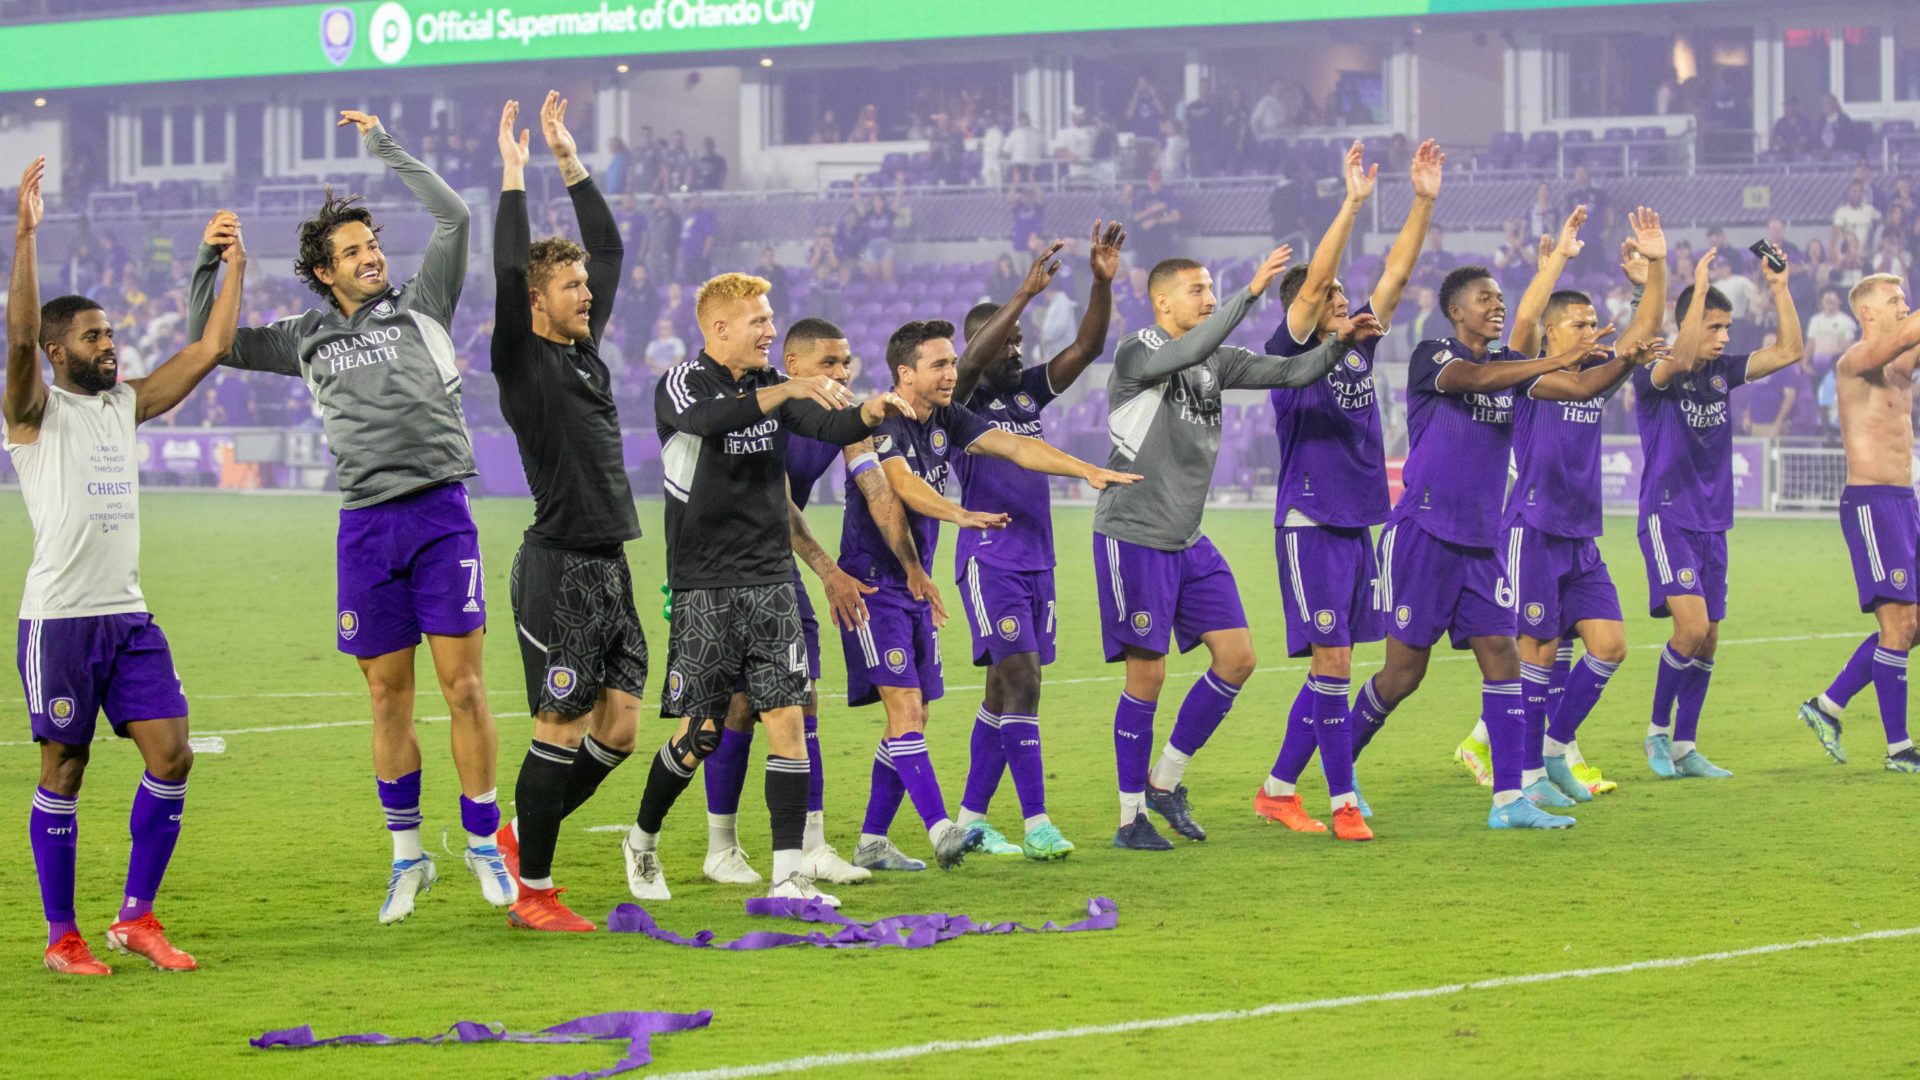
[
  {"x": 1133, "y": 742},
  {"x": 883, "y": 797},
  {"x": 816, "y": 768},
  {"x": 1691, "y": 697},
  {"x": 1201, "y": 712},
  {"x": 1584, "y": 686},
  {"x": 401, "y": 801},
  {"x": 726, "y": 770},
  {"x": 1890, "y": 686},
  {"x": 1557, "y": 682},
  {"x": 1533, "y": 701},
  {"x": 155, "y": 826},
  {"x": 1854, "y": 677},
  {"x": 1020, "y": 741},
  {"x": 481, "y": 816},
  {"x": 1666, "y": 684},
  {"x": 1504, "y": 712},
  {"x": 1366, "y": 718},
  {"x": 54, "y": 827},
  {"x": 1296, "y": 746},
  {"x": 1331, "y": 732},
  {"x": 910, "y": 760},
  {"x": 986, "y": 760}
]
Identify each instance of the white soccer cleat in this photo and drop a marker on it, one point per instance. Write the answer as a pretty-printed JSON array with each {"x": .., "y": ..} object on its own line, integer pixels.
[
  {"x": 825, "y": 864},
  {"x": 730, "y": 867},
  {"x": 496, "y": 884},
  {"x": 645, "y": 879},
  {"x": 408, "y": 880},
  {"x": 799, "y": 886}
]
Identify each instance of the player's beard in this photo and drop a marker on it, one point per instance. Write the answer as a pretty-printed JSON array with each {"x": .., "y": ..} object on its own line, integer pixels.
[{"x": 88, "y": 375}]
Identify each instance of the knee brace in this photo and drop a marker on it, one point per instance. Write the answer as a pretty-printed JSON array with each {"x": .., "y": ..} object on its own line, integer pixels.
[{"x": 702, "y": 738}]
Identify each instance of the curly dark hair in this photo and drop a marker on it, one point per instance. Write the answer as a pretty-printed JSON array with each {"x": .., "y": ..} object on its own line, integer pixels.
[{"x": 316, "y": 237}]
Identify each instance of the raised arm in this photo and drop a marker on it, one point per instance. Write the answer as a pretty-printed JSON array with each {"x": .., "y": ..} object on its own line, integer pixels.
[
  {"x": 1790, "y": 345},
  {"x": 25, "y": 401},
  {"x": 841, "y": 426},
  {"x": 1066, "y": 367},
  {"x": 1693, "y": 329},
  {"x": 1244, "y": 370},
  {"x": 1143, "y": 363},
  {"x": 172, "y": 381},
  {"x": 443, "y": 269},
  {"x": 599, "y": 232},
  {"x": 1591, "y": 381},
  {"x": 1649, "y": 274},
  {"x": 991, "y": 340},
  {"x": 512, "y": 311},
  {"x": 1525, "y": 335},
  {"x": 274, "y": 348},
  {"x": 920, "y": 497},
  {"x": 1460, "y": 376},
  {"x": 1405, "y": 253},
  {"x": 1866, "y": 356},
  {"x": 1303, "y": 315},
  {"x": 843, "y": 591},
  {"x": 891, "y": 519}
]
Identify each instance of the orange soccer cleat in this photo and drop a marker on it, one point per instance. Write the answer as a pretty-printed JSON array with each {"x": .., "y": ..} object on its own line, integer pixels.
[
  {"x": 1286, "y": 810},
  {"x": 541, "y": 909},
  {"x": 70, "y": 956},
  {"x": 1349, "y": 825},
  {"x": 145, "y": 936},
  {"x": 508, "y": 842}
]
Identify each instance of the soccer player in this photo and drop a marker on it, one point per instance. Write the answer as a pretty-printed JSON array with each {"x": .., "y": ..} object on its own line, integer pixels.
[
  {"x": 1439, "y": 571},
  {"x": 1550, "y": 560},
  {"x": 1159, "y": 578},
  {"x": 894, "y": 657},
  {"x": 86, "y": 639},
  {"x": 581, "y": 645},
  {"x": 1878, "y": 514},
  {"x": 813, "y": 348},
  {"x": 1006, "y": 576},
  {"x": 379, "y": 361},
  {"x": 1686, "y": 499},
  {"x": 724, "y": 418},
  {"x": 1332, "y": 489}
]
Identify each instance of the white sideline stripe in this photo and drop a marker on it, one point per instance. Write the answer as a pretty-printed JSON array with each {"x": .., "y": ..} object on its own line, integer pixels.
[
  {"x": 1453, "y": 658},
  {"x": 993, "y": 1042}
]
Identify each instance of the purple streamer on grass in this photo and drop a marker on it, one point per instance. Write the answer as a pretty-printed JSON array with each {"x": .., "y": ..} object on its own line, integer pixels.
[
  {"x": 638, "y": 1028},
  {"x": 898, "y": 931}
]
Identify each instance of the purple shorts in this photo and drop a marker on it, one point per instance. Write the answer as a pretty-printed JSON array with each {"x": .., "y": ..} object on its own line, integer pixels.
[
  {"x": 1882, "y": 527},
  {"x": 1684, "y": 562},
  {"x": 409, "y": 567},
  {"x": 1558, "y": 582},
  {"x": 898, "y": 646},
  {"x": 1011, "y": 612},
  {"x": 809, "y": 629},
  {"x": 1430, "y": 587},
  {"x": 1328, "y": 577},
  {"x": 74, "y": 667},
  {"x": 1149, "y": 597}
]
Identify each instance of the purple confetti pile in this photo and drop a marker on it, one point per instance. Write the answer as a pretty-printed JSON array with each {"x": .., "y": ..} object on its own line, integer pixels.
[
  {"x": 637, "y": 1028},
  {"x": 899, "y": 931}
]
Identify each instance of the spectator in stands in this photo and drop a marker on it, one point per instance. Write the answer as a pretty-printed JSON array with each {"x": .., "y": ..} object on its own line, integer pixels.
[
  {"x": 917, "y": 128},
  {"x": 877, "y": 223},
  {"x": 619, "y": 167},
  {"x": 1289, "y": 205},
  {"x": 666, "y": 351},
  {"x": 1236, "y": 138},
  {"x": 827, "y": 130},
  {"x": 1174, "y": 149},
  {"x": 947, "y": 151},
  {"x": 1890, "y": 257},
  {"x": 1004, "y": 279},
  {"x": 709, "y": 169},
  {"x": 699, "y": 232},
  {"x": 1542, "y": 217},
  {"x": 679, "y": 163},
  {"x": 649, "y": 163},
  {"x": 1830, "y": 330},
  {"x": 1155, "y": 223},
  {"x": 1024, "y": 149},
  {"x": 1427, "y": 304},
  {"x": 1202, "y": 119},
  {"x": 1856, "y": 217},
  {"x": 1849, "y": 261},
  {"x": 993, "y": 153},
  {"x": 1268, "y": 124},
  {"x": 1780, "y": 405},
  {"x": 1792, "y": 133},
  {"x": 823, "y": 270},
  {"x": 1060, "y": 322},
  {"x": 1029, "y": 217},
  {"x": 1739, "y": 290},
  {"x": 1514, "y": 260},
  {"x": 1144, "y": 111},
  {"x": 1600, "y": 221},
  {"x": 866, "y": 126},
  {"x": 1835, "y": 134},
  {"x": 1073, "y": 144},
  {"x": 663, "y": 238},
  {"x": 781, "y": 295},
  {"x": 850, "y": 242},
  {"x": 638, "y": 302},
  {"x": 677, "y": 309}
]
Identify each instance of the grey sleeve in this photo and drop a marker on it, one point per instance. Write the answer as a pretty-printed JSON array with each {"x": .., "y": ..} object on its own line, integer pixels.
[
  {"x": 1138, "y": 361},
  {"x": 443, "y": 270},
  {"x": 1243, "y": 369},
  {"x": 264, "y": 348}
]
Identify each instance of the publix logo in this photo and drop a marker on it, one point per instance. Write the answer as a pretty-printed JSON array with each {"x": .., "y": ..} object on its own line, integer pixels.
[{"x": 390, "y": 33}]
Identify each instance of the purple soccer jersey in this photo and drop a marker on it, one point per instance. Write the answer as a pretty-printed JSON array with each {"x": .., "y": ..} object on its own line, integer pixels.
[
  {"x": 993, "y": 486},
  {"x": 72, "y": 668},
  {"x": 1333, "y": 465},
  {"x": 1458, "y": 446},
  {"x": 409, "y": 566},
  {"x": 929, "y": 448},
  {"x": 807, "y": 461},
  {"x": 1686, "y": 437},
  {"x": 1556, "y": 454}
]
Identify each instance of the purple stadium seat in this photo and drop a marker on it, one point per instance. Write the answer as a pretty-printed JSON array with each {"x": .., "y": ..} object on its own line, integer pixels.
[{"x": 1543, "y": 149}]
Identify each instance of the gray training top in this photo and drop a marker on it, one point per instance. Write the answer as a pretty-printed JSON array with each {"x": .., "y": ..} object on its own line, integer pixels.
[
  {"x": 388, "y": 390},
  {"x": 1164, "y": 420}
]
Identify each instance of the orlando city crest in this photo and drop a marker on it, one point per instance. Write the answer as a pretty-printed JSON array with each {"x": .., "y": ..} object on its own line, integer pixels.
[
  {"x": 561, "y": 681},
  {"x": 349, "y": 625}
]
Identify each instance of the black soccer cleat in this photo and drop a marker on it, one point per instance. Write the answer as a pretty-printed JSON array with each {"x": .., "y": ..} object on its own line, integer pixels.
[
  {"x": 1825, "y": 727},
  {"x": 1140, "y": 836},
  {"x": 1172, "y": 805},
  {"x": 1907, "y": 760}
]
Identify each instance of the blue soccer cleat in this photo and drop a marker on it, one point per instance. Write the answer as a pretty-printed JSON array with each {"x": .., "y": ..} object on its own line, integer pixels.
[
  {"x": 1172, "y": 805},
  {"x": 1695, "y": 764},
  {"x": 1561, "y": 774},
  {"x": 1360, "y": 800},
  {"x": 992, "y": 842},
  {"x": 1522, "y": 814},
  {"x": 1825, "y": 727},
  {"x": 1660, "y": 755},
  {"x": 1542, "y": 793},
  {"x": 1140, "y": 836},
  {"x": 1045, "y": 842}
]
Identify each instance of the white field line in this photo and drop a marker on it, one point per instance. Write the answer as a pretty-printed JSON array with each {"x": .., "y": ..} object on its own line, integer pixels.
[
  {"x": 993, "y": 1042},
  {"x": 1447, "y": 658}
]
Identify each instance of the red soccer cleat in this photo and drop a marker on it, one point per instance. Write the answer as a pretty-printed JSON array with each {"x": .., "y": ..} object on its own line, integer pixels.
[
  {"x": 145, "y": 936},
  {"x": 1286, "y": 810},
  {"x": 541, "y": 909},
  {"x": 70, "y": 956},
  {"x": 1349, "y": 825},
  {"x": 508, "y": 842}
]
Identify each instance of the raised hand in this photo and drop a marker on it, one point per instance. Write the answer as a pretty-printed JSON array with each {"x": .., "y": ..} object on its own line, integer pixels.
[
  {"x": 979, "y": 522},
  {"x": 513, "y": 149},
  {"x": 32, "y": 206},
  {"x": 1647, "y": 236},
  {"x": 1648, "y": 351},
  {"x": 1570, "y": 245},
  {"x": 234, "y": 253},
  {"x": 1103, "y": 256},
  {"x": 844, "y": 593},
  {"x": 1427, "y": 161},
  {"x": 878, "y": 407},
  {"x": 221, "y": 230},
  {"x": 1775, "y": 277},
  {"x": 364, "y": 121},
  {"x": 1589, "y": 347},
  {"x": 1361, "y": 327},
  {"x": 1632, "y": 263},
  {"x": 1273, "y": 266},
  {"x": 1360, "y": 176},
  {"x": 820, "y": 390},
  {"x": 1101, "y": 479},
  {"x": 553, "y": 125},
  {"x": 1702, "y": 271},
  {"x": 1040, "y": 274}
]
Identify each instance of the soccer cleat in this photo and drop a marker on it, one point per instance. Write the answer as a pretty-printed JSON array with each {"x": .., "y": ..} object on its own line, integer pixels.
[
  {"x": 70, "y": 956},
  {"x": 1543, "y": 793},
  {"x": 1172, "y": 805},
  {"x": 1286, "y": 810},
  {"x": 411, "y": 878},
  {"x": 508, "y": 841},
  {"x": 799, "y": 886},
  {"x": 1366, "y": 811},
  {"x": 1477, "y": 758},
  {"x": 993, "y": 842},
  {"x": 1825, "y": 727},
  {"x": 497, "y": 887},
  {"x": 1522, "y": 814},
  {"x": 825, "y": 864},
  {"x": 1694, "y": 764},
  {"x": 1349, "y": 825},
  {"x": 730, "y": 867},
  {"x": 881, "y": 854},
  {"x": 953, "y": 846},
  {"x": 1660, "y": 755},
  {"x": 1589, "y": 775},
  {"x": 1907, "y": 760},
  {"x": 145, "y": 936},
  {"x": 541, "y": 909},
  {"x": 1563, "y": 777},
  {"x": 645, "y": 879},
  {"x": 1141, "y": 836},
  {"x": 1045, "y": 842}
]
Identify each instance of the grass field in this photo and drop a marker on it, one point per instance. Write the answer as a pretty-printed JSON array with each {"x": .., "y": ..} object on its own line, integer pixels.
[{"x": 283, "y": 860}]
